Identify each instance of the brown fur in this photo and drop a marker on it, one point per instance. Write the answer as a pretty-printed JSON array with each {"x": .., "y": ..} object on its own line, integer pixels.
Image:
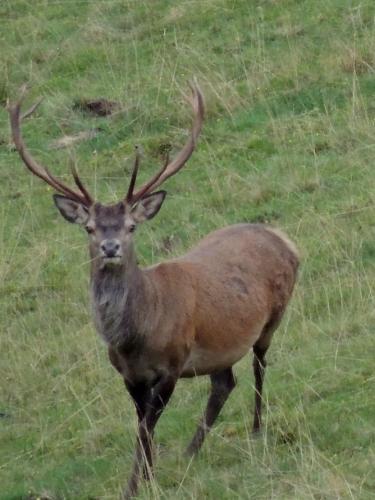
[
  {"x": 198, "y": 315},
  {"x": 210, "y": 306}
]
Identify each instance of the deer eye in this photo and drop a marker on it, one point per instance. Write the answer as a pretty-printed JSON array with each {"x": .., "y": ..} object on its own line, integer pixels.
[
  {"x": 89, "y": 229},
  {"x": 132, "y": 228}
]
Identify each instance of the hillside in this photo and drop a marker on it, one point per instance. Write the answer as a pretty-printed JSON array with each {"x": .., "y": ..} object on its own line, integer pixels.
[{"x": 289, "y": 140}]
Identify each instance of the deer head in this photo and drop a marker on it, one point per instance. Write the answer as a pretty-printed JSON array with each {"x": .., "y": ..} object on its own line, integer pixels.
[{"x": 110, "y": 227}]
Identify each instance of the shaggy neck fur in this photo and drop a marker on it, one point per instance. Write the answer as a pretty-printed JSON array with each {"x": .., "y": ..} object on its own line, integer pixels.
[{"x": 116, "y": 293}]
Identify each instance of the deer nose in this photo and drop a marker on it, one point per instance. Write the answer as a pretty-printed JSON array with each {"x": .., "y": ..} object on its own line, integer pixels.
[{"x": 110, "y": 248}]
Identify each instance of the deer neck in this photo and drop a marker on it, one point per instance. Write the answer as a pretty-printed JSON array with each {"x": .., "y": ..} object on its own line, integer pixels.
[{"x": 119, "y": 303}]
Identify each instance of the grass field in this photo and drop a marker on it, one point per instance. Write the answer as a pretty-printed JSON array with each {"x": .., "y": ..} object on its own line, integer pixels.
[{"x": 289, "y": 139}]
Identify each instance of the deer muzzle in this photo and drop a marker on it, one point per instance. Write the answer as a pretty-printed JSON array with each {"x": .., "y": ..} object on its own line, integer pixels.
[{"x": 110, "y": 250}]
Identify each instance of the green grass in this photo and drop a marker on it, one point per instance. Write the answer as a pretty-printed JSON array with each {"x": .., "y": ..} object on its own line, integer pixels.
[{"x": 288, "y": 139}]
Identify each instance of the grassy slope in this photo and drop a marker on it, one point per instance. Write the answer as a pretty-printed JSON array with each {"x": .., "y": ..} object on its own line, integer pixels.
[{"x": 288, "y": 139}]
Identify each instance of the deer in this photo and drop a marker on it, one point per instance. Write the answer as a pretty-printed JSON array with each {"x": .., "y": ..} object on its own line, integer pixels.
[{"x": 194, "y": 315}]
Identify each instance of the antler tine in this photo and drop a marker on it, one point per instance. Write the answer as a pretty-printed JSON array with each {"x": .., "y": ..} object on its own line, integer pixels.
[
  {"x": 129, "y": 195},
  {"x": 80, "y": 185},
  {"x": 146, "y": 187},
  {"x": 43, "y": 173},
  {"x": 171, "y": 168}
]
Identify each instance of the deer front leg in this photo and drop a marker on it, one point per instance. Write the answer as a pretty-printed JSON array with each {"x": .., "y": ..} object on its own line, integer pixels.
[
  {"x": 141, "y": 395},
  {"x": 222, "y": 384},
  {"x": 161, "y": 393}
]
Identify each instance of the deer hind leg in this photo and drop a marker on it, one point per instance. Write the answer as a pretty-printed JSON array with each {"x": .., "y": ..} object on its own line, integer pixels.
[
  {"x": 155, "y": 405},
  {"x": 259, "y": 365},
  {"x": 222, "y": 384}
]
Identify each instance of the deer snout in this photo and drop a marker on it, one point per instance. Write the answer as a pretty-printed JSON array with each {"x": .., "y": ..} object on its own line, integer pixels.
[{"x": 110, "y": 248}]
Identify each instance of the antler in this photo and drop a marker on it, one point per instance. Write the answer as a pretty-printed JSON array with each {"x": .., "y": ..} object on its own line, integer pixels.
[
  {"x": 14, "y": 110},
  {"x": 171, "y": 168}
]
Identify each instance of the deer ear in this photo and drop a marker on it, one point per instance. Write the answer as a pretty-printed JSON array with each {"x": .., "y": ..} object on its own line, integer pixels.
[
  {"x": 71, "y": 210},
  {"x": 148, "y": 206}
]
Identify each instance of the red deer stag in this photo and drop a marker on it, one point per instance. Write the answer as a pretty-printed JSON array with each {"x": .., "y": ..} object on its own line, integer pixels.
[{"x": 194, "y": 315}]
